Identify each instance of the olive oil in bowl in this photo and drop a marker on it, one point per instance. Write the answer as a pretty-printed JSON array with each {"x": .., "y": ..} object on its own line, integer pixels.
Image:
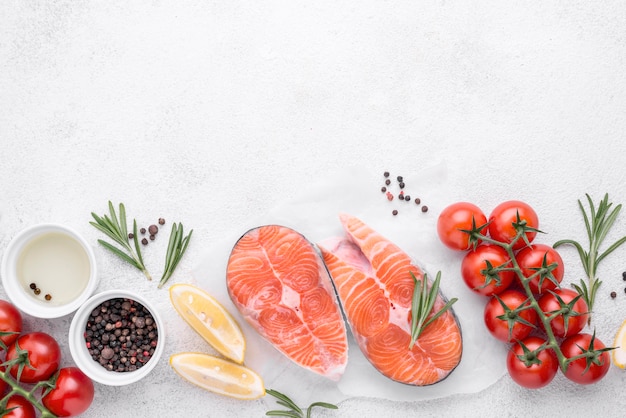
[{"x": 53, "y": 268}]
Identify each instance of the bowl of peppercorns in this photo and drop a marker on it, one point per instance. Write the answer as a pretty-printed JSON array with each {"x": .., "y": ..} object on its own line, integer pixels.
[{"x": 116, "y": 337}]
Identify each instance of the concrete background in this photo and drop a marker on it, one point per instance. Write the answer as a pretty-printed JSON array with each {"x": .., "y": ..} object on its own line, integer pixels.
[{"x": 212, "y": 113}]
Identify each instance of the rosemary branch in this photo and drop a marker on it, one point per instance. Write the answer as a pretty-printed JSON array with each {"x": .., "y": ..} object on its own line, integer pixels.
[
  {"x": 422, "y": 304},
  {"x": 175, "y": 249},
  {"x": 115, "y": 227},
  {"x": 598, "y": 222},
  {"x": 294, "y": 410}
]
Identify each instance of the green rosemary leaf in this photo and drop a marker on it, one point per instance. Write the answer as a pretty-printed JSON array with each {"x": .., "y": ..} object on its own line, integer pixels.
[
  {"x": 175, "y": 250},
  {"x": 422, "y": 303},
  {"x": 114, "y": 227}
]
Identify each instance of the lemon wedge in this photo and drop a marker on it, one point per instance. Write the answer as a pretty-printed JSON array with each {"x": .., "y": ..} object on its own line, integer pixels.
[
  {"x": 218, "y": 375},
  {"x": 619, "y": 353},
  {"x": 210, "y": 319}
]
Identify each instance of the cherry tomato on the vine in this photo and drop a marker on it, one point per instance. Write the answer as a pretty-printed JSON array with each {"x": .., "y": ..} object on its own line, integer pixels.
[
  {"x": 534, "y": 369},
  {"x": 23, "y": 408},
  {"x": 517, "y": 323},
  {"x": 477, "y": 270},
  {"x": 10, "y": 321},
  {"x": 538, "y": 256},
  {"x": 44, "y": 356},
  {"x": 506, "y": 218},
  {"x": 585, "y": 370},
  {"x": 456, "y": 218},
  {"x": 72, "y": 394},
  {"x": 573, "y": 314}
]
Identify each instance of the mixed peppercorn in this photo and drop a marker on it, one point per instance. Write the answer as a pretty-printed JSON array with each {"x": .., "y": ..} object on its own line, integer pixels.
[{"x": 121, "y": 335}]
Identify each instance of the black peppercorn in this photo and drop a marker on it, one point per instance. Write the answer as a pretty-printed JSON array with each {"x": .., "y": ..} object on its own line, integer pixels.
[
  {"x": 144, "y": 241},
  {"x": 33, "y": 286},
  {"x": 153, "y": 229},
  {"x": 383, "y": 189},
  {"x": 394, "y": 212},
  {"x": 613, "y": 295},
  {"x": 386, "y": 174},
  {"x": 424, "y": 208},
  {"x": 161, "y": 221},
  {"x": 387, "y": 182},
  {"x": 142, "y": 230}
]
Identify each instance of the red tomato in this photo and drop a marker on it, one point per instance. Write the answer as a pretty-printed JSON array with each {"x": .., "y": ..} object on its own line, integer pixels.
[
  {"x": 575, "y": 311},
  {"x": 514, "y": 325},
  {"x": 532, "y": 258},
  {"x": 23, "y": 408},
  {"x": 10, "y": 321},
  {"x": 504, "y": 222},
  {"x": 455, "y": 218},
  {"x": 533, "y": 370},
  {"x": 43, "y": 353},
  {"x": 72, "y": 394},
  {"x": 476, "y": 266},
  {"x": 577, "y": 370}
]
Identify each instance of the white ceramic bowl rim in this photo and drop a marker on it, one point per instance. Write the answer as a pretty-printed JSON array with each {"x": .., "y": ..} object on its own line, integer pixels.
[
  {"x": 80, "y": 353},
  {"x": 14, "y": 289}
]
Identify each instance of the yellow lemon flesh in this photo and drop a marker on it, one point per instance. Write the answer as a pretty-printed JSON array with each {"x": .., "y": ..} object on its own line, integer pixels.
[
  {"x": 619, "y": 353},
  {"x": 218, "y": 375},
  {"x": 209, "y": 319}
]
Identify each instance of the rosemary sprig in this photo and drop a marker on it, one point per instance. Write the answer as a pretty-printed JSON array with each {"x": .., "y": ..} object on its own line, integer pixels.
[
  {"x": 175, "y": 250},
  {"x": 422, "y": 304},
  {"x": 115, "y": 227},
  {"x": 598, "y": 222},
  {"x": 294, "y": 410}
]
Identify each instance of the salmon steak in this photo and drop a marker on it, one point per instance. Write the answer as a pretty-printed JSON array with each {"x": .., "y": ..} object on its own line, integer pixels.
[
  {"x": 372, "y": 277},
  {"x": 278, "y": 282}
]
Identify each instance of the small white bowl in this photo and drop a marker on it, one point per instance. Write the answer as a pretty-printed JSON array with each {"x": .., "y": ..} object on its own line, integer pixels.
[
  {"x": 78, "y": 344},
  {"x": 22, "y": 296}
]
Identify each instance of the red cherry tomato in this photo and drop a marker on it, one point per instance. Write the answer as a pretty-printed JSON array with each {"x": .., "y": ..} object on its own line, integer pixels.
[
  {"x": 532, "y": 374},
  {"x": 504, "y": 218},
  {"x": 72, "y": 394},
  {"x": 476, "y": 266},
  {"x": 532, "y": 258},
  {"x": 10, "y": 321},
  {"x": 44, "y": 356},
  {"x": 510, "y": 326},
  {"x": 455, "y": 218},
  {"x": 23, "y": 408},
  {"x": 575, "y": 311},
  {"x": 583, "y": 370}
]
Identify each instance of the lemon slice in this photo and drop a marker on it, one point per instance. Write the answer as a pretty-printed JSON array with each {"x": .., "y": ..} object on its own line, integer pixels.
[
  {"x": 619, "y": 353},
  {"x": 218, "y": 375},
  {"x": 209, "y": 319}
]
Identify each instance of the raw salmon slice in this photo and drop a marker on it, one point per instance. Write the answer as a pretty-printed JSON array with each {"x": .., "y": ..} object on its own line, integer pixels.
[
  {"x": 278, "y": 282},
  {"x": 373, "y": 281}
]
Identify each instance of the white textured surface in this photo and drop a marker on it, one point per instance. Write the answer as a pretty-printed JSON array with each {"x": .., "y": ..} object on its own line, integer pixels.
[{"x": 209, "y": 113}]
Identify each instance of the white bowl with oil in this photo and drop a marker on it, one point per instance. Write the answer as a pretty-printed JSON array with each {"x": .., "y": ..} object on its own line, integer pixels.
[{"x": 49, "y": 270}]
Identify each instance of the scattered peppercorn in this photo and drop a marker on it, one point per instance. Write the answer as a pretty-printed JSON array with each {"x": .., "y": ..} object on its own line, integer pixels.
[
  {"x": 624, "y": 276},
  {"x": 33, "y": 286},
  {"x": 424, "y": 208},
  {"x": 383, "y": 189},
  {"x": 153, "y": 229},
  {"x": 401, "y": 185},
  {"x": 37, "y": 291},
  {"x": 386, "y": 174},
  {"x": 161, "y": 221},
  {"x": 131, "y": 235},
  {"x": 142, "y": 230},
  {"x": 613, "y": 295},
  {"x": 144, "y": 241},
  {"x": 152, "y": 237},
  {"x": 48, "y": 296},
  {"x": 387, "y": 182},
  {"x": 400, "y": 179},
  {"x": 417, "y": 201},
  {"x": 407, "y": 198},
  {"x": 394, "y": 212},
  {"x": 389, "y": 196}
]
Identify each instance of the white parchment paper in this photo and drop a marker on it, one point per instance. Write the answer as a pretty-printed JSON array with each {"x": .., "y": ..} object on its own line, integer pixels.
[{"x": 315, "y": 214}]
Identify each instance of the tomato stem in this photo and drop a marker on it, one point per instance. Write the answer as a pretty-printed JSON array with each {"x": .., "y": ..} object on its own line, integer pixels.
[{"x": 29, "y": 395}]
